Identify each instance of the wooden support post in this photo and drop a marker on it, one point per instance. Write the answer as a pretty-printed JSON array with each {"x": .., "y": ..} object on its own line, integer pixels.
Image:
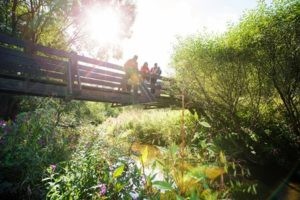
[
  {"x": 69, "y": 76},
  {"x": 158, "y": 90},
  {"x": 73, "y": 73},
  {"x": 29, "y": 49}
]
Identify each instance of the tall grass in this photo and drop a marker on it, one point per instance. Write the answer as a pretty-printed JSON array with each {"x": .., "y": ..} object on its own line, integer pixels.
[{"x": 159, "y": 127}]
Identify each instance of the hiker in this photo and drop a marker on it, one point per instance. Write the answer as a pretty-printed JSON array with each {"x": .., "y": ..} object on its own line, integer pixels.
[
  {"x": 145, "y": 72},
  {"x": 158, "y": 71},
  {"x": 131, "y": 77},
  {"x": 155, "y": 73}
]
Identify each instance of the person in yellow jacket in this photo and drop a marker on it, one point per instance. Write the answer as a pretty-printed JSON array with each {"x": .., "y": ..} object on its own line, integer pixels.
[{"x": 131, "y": 74}]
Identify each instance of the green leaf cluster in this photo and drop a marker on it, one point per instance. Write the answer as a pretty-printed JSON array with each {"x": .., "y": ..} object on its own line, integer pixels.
[{"x": 246, "y": 82}]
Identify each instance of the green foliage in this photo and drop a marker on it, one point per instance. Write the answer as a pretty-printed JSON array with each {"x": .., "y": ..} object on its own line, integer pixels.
[
  {"x": 40, "y": 21},
  {"x": 202, "y": 170},
  {"x": 246, "y": 81},
  {"x": 94, "y": 173},
  {"x": 29, "y": 145},
  {"x": 71, "y": 113},
  {"x": 162, "y": 185},
  {"x": 96, "y": 163},
  {"x": 44, "y": 134},
  {"x": 243, "y": 87},
  {"x": 61, "y": 23},
  {"x": 187, "y": 177},
  {"x": 160, "y": 127}
]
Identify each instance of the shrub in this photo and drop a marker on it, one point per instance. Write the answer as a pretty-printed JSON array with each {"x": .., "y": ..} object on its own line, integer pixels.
[
  {"x": 28, "y": 146},
  {"x": 94, "y": 173}
]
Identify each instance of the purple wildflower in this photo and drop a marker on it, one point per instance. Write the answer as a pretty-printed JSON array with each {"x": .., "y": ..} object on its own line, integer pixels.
[
  {"x": 3, "y": 123},
  {"x": 102, "y": 189},
  {"x": 53, "y": 167}
]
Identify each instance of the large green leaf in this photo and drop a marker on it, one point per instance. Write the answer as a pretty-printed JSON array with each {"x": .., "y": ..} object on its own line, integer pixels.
[
  {"x": 118, "y": 172},
  {"x": 144, "y": 156},
  {"x": 205, "y": 124},
  {"x": 163, "y": 185},
  {"x": 222, "y": 157}
]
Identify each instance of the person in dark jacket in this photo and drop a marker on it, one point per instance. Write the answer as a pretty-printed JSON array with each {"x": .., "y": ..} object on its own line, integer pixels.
[{"x": 155, "y": 73}]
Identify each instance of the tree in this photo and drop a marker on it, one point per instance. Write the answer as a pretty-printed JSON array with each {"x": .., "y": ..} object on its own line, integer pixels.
[
  {"x": 59, "y": 23},
  {"x": 39, "y": 21},
  {"x": 246, "y": 81}
]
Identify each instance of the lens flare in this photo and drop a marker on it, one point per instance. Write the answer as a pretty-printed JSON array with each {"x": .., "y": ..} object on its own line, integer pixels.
[{"x": 103, "y": 25}]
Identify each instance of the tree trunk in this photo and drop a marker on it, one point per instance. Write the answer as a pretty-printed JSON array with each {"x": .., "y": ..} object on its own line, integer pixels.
[{"x": 14, "y": 18}]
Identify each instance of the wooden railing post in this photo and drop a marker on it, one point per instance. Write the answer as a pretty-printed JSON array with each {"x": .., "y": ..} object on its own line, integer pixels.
[
  {"x": 72, "y": 71},
  {"x": 69, "y": 76},
  {"x": 157, "y": 89}
]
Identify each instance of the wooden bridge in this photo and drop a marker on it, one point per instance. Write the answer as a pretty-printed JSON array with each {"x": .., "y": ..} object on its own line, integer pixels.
[{"x": 31, "y": 69}]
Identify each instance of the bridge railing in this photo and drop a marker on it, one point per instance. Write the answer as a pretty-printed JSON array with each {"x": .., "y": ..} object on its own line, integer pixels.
[
  {"x": 32, "y": 62},
  {"x": 23, "y": 60}
]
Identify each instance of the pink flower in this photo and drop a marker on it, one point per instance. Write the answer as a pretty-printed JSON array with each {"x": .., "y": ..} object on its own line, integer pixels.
[
  {"x": 53, "y": 167},
  {"x": 103, "y": 189}
]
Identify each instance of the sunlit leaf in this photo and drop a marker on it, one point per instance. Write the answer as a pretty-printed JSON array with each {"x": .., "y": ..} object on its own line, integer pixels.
[
  {"x": 144, "y": 156},
  {"x": 194, "y": 196},
  {"x": 249, "y": 189},
  {"x": 118, "y": 172},
  {"x": 119, "y": 186},
  {"x": 206, "y": 192},
  {"x": 254, "y": 189},
  {"x": 153, "y": 166},
  {"x": 213, "y": 172},
  {"x": 179, "y": 197},
  {"x": 162, "y": 185},
  {"x": 205, "y": 124},
  {"x": 152, "y": 177},
  {"x": 222, "y": 157},
  {"x": 174, "y": 148},
  {"x": 197, "y": 173}
]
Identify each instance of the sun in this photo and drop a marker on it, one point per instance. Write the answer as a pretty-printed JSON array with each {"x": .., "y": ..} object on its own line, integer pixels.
[{"x": 103, "y": 24}]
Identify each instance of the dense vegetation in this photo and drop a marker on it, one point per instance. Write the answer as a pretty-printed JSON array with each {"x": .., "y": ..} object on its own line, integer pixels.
[
  {"x": 246, "y": 83},
  {"x": 238, "y": 135},
  {"x": 123, "y": 158}
]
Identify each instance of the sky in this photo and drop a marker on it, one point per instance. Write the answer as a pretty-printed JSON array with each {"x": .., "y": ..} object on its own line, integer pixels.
[{"x": 158, "y": 22}]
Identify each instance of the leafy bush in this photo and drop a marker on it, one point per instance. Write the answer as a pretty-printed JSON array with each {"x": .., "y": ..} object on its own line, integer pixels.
[
  {"x": 44, "y": 134},
  {"x": 99, "y": 164},
  {"x": 97, "y": 170},
  {"x": 245, "y": 83},
  {"x": 71, "y": 113},
  {"x": 197, "y": 172},
  {"x": 201, "y": 170},
  {"x": 28, "y": 146}
]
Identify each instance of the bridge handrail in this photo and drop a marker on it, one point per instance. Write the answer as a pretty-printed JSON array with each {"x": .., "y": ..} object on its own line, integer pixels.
[
  {"x": 31, "y": 46},
  {"x": 79, "y": 69}
]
